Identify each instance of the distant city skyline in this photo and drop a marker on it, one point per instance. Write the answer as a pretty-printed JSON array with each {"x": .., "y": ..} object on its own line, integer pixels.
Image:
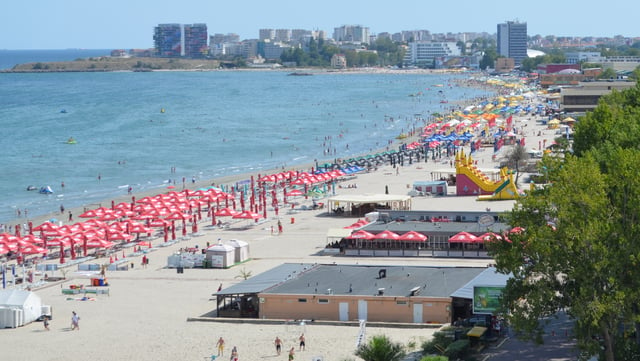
[{"x": 42, "y": 24}]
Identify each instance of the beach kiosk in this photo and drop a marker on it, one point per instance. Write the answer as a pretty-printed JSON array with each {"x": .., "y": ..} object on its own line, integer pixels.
[
  {"x": 241, "y": 250},
  {"x": 220, "y": 255},
  {"x": 19, "y": 307}
]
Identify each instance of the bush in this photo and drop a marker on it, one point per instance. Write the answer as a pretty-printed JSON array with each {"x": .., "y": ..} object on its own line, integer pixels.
[
  {"x": 435, "y": 358},
  {"x": 458, "y": 349},
  {"x": 439, "y": 342}
]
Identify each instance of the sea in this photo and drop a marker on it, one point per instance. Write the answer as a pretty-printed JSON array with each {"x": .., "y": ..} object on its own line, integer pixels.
[{"x": 148, "y": 130}]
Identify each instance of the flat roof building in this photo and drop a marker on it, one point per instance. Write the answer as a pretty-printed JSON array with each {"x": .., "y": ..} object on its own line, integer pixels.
[
  {"x": 403, "y": 294},
  {"x": 512, "y": 41}
]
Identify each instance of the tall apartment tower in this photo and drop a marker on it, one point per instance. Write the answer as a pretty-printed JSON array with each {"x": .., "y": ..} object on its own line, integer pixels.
[
  {"x": 178, "y": 40},
  {"x": 512, "y": 40}
]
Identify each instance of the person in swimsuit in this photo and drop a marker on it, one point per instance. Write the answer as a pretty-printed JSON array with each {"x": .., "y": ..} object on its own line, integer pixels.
[
  {"x": 302, "y": 345},
  {"x": 278, "y": 343},
  {"x": 220, "y": 345},
  {"x": 292, "y": 353}
]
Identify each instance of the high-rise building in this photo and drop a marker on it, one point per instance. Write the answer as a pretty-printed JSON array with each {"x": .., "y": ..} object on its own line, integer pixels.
[
  {"x": 351, "y": 33},
  {"x": 176, "y": 40},
  {"x": 195, "y": 40},
  {"x": 168, "y": 40},
  {"x": 512, "y": 40},
  {"x": 267, "y": 34}
]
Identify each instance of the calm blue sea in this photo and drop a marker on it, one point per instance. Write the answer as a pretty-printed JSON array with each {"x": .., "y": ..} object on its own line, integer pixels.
[{"x": 214, "y": 124}]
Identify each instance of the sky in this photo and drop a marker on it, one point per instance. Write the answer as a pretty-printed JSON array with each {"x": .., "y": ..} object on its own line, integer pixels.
[{"x": 127, "y": 24}]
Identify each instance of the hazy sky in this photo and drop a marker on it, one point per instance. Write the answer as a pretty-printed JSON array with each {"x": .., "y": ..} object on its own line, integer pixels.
[{"x": 61, "y": 24}]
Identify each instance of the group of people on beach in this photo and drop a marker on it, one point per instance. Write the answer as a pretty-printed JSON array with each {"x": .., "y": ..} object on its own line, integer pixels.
[{"x": 278, "y": 343}]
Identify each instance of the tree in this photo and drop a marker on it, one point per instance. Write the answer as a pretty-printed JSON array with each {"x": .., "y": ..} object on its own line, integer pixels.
[
  {"x": 381, "y": 348},
  {"x": 489, "y": 58},
  {"x": 515, "y": 157},
  {"x": 579, "y": 248},
  {"x": 244, "y": 274},
  {"x": 608, "y": 73}
]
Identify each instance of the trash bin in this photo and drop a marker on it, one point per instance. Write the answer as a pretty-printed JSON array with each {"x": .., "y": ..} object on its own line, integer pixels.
[
  {"x": 293, "y": 220},
  {"x": 180, "y": 269},
  {"x": 205, "y": 263}
]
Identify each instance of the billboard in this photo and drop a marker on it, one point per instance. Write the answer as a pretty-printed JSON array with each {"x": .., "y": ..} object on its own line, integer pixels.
[{"x": 486, "y": 299}]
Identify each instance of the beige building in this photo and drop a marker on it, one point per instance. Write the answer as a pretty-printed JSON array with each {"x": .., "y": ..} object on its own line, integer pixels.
[
  {"x": 347, "y": 293},
  {"x": 504, "y": 65},
  {"x": 585, "y": 96},
  {"x": 338, "y": 61}
]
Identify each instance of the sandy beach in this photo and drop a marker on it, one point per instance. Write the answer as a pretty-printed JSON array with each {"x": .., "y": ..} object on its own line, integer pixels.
[{"x": 145, "y": 316}]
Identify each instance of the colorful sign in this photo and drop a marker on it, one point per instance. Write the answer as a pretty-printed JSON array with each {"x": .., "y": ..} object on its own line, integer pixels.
[{"x": 486, "y": 299}]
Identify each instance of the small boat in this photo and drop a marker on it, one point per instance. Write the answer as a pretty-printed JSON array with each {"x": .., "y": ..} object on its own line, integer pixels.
[
  {"x": 299, "y": 74},
  {"x": 63, "y": 111},
  {"x": 71, "y": 141},
  {"x": 31, "y": 188},
  {"x": 45, "y": 190}
]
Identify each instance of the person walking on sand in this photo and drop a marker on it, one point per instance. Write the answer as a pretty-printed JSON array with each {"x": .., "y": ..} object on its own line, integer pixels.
[
  {"x": 46, "y": 322},
  {"x": 220, "y": 346},
  {"x": 279, "y": 227},
  {"x": 292, "y": 353},
  {"x": 75, "y": 321},
  {"x": 234, "y": 354},
  {"x": 278, "y": 343},
  {"x": 302, "y": 344}
]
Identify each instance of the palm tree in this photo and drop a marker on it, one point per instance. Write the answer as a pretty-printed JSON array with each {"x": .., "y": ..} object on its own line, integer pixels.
[
  {"x": 381, "y": 348},
  {"x": 244, "y": 274}
]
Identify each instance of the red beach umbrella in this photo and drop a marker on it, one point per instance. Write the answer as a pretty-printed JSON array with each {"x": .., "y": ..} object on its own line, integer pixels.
[
  {"x": 361, "y": 234},
  {"x": 412, "y": 236},
  {"x": 463, "y": 237},
  {"x": 386, "y": 234}
]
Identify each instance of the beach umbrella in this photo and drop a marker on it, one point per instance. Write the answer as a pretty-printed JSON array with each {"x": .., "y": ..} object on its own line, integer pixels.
[
  {"x": 489, "y": 236},
  {"x": 33, "y": 249},
  {"x": 412, "y": 236},
  {"x": 386, "y": 234},
  {"x": 463, "y": 237},
  {"x": 4, "y": 249},
  {"x": 225, "y": 212},
  {"x": 98, "y": 243},
  {"x": 247, "y": 215},
  {"x": 361, "y": 234}
]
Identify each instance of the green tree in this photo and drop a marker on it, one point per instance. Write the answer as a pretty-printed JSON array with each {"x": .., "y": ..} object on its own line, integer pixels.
[
  {"x": 489, "y": 58},
  {"x": 381, "y": 348},
  {"x": 579, "y": 248},
  {"x": 608, "y": 73},
  {"x": 515, "y": 157}
]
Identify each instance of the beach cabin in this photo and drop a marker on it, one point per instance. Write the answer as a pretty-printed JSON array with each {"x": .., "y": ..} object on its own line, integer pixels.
[
  {"x": 220, "y": 256},
  {"x": 438, "y": 188},
  {"x": 241, "y": 250},
  {"x": 18, "y": 308}
]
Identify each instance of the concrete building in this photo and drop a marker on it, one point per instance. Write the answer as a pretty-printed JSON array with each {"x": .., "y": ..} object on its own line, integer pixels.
[
  {"x": 266, "y": 34},
  {"x": 578, "y": 57},
  {"x": 403, "y": 294},
  {"x": 424, "y": 53},
  {"x": 338, "y": 61},
  {"x": 512, "y": 41},
  {"x": 178, "y": 40},
  {"x": 351, "y": 33},
  {"x": 585, "y": 96}
]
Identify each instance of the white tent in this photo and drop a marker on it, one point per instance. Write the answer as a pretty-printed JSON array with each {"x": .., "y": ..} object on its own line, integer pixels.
[
  {"x": 221, "y": 255},
  {"x": 241, "y": 250},
  {"x": 18, "y": 308}
]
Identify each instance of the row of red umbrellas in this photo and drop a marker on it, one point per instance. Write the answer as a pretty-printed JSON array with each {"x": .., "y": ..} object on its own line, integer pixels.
[
  {"x": 461, "y": 237},
  {"x": 388, "y": 235}
]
